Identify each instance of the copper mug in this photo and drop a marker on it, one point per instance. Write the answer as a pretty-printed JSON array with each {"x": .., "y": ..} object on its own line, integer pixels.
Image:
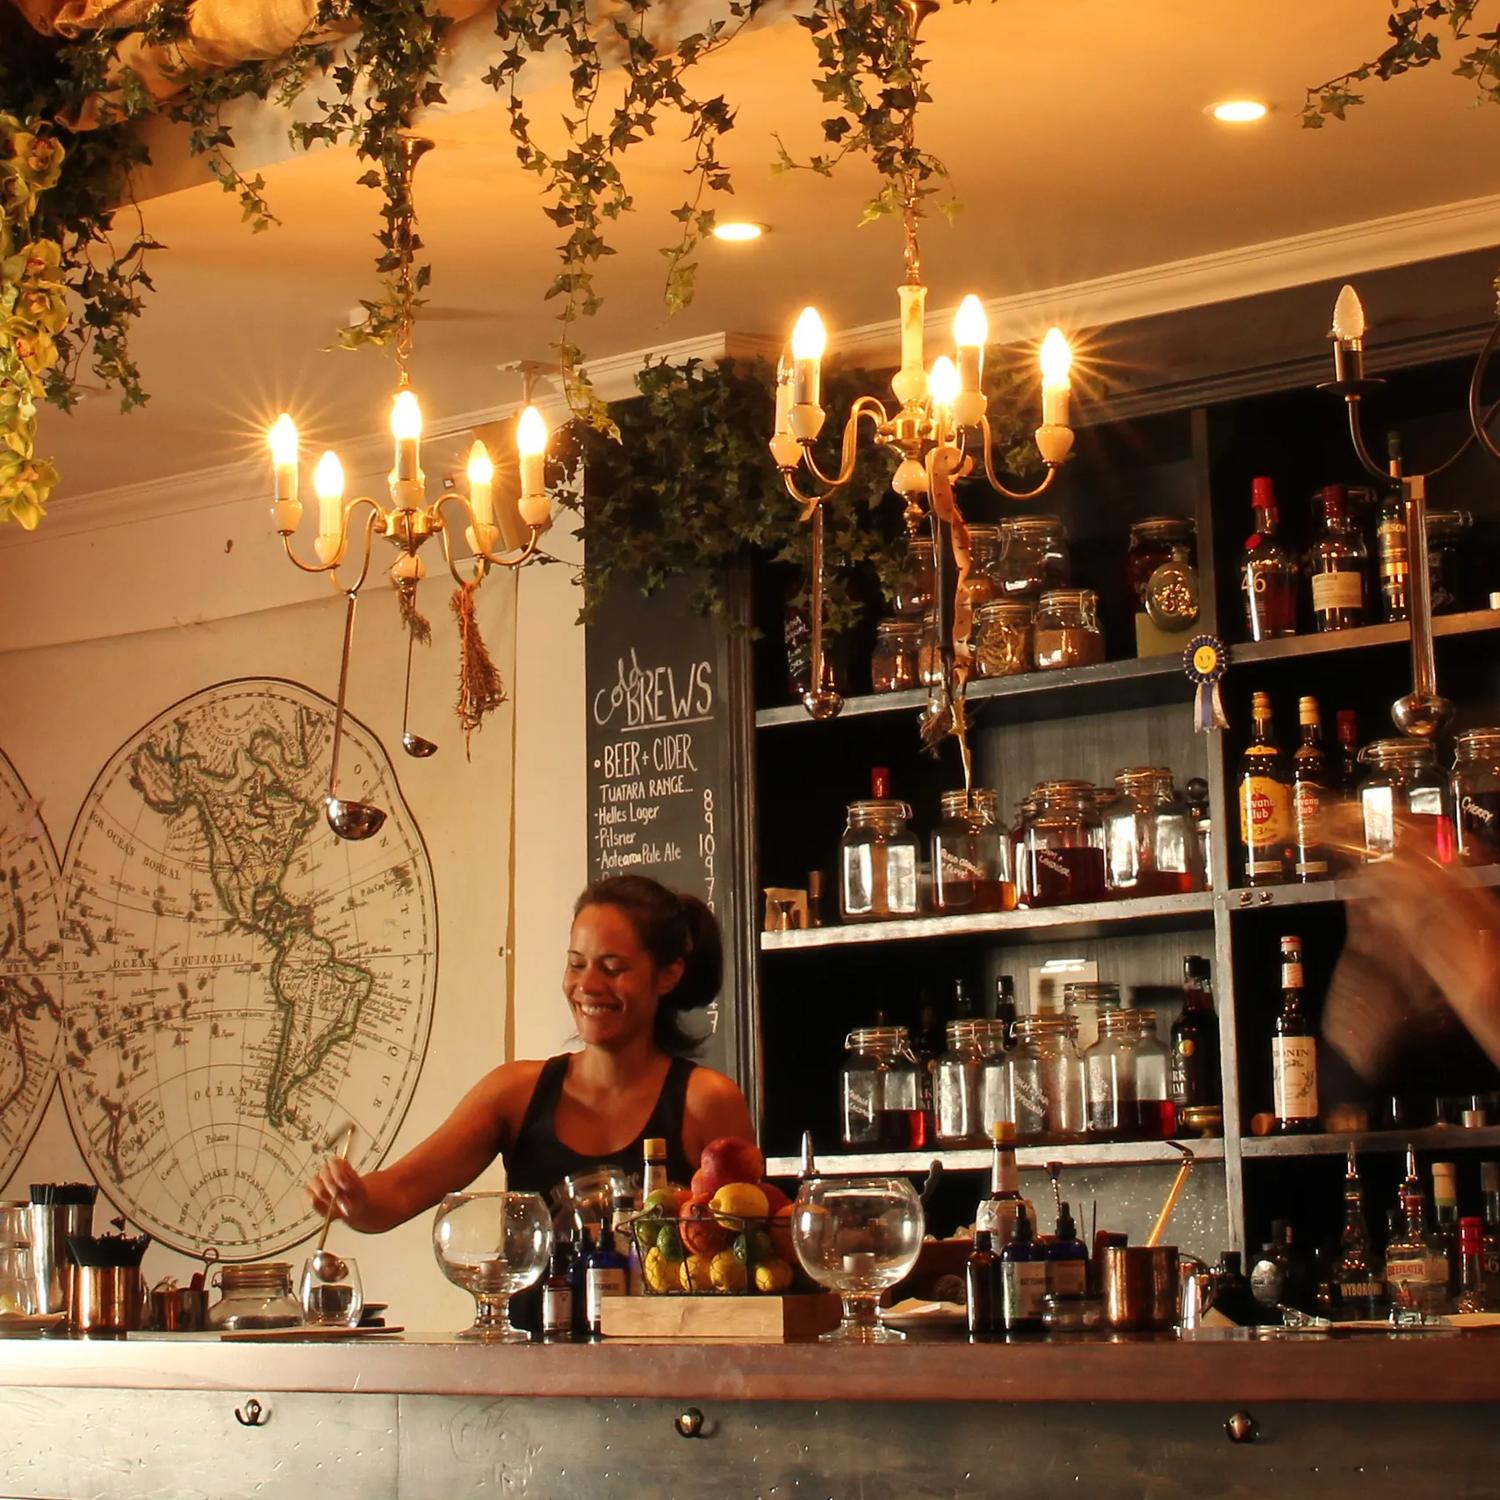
[
  {"x": 107, "y": 1299},
  {"x": 1142, "y": 1287}
]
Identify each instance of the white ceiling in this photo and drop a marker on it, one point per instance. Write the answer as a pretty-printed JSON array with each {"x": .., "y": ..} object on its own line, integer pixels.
[{"x": 1078, "y": 142}]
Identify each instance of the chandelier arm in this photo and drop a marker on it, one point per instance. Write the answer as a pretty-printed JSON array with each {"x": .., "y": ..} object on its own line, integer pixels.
[
  {"x": 994, "y": 482},
  {"x": 375, "y": 514},
  {"x": 849, "y": 447},
  {"x": 1477, "y": 420},
  {"x": 1357, "y": 438},
  {"x": 527, "y": 552},
  {"x": 809, "y": 503}
]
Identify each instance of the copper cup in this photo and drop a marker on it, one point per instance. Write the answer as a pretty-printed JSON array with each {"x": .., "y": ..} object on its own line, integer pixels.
[
  {"x": 1141, "y": 1287},
  {"x": 180, "y": 1309},
  {"x": 107, "y": 1299}
]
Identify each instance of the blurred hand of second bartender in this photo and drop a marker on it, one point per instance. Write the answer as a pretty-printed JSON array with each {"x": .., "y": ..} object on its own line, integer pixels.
[{"x": 1421, "y": 954}]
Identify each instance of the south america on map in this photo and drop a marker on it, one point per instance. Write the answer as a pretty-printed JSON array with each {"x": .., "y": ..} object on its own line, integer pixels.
[
  {"x": 243, "y": 982},
  {"x": 30, "y": 968}
]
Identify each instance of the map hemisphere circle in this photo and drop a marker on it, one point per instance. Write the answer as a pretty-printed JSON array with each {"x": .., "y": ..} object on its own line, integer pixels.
[
  {"x": 31, "y": 980},
  {"x": 240, "y": 981}
]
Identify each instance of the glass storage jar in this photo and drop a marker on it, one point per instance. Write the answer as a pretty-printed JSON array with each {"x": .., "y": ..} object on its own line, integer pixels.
[
  {"x": 1035, "y": 556},
  {"x": 1047, "y": 1085},
  {"x": 995, "y": 1102},
  {"x": 1448, "y": 555},
  {"x": 916, "y": 586},
  {"x": 1002, "y": 638},
  {"x": 1156, "y": 1114},
  {"x": 1404, "y": 801},
  {"x": 1064, "y": 846},
  {"x": 1066, "y": 631},
  {"x": 893, "y": 662},
  {"x": 929, "y": 651},
  {"x": 878, "y": 862},
  {"x": 256, "y": 1296},
  {"x": 880, "y": 1091},
  {"x": 957, "y": 1079},
  {"x": 1153, "y": 542},
  {"x": 971, "y": 855},
  {"x": 1476, "y": 795},
  {"x": 1086, "y": 1000},
  {"x": 978, "y": 587},
  {"x": 1109, "y": 1071},
  {"x": 1151, "y": 837}
]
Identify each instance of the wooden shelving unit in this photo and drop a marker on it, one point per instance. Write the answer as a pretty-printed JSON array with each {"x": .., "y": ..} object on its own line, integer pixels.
[{"x": 1103, "y": 1154}]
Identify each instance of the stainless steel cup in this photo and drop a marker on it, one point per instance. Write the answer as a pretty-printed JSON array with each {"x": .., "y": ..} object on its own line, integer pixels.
[
  {"x": 51, "y": 1224},
  {"x": 1141, "y": 1287}
]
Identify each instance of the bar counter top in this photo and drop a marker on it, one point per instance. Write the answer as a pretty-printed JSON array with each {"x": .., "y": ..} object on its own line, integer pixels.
[{"x": 1199, "y": 1367}]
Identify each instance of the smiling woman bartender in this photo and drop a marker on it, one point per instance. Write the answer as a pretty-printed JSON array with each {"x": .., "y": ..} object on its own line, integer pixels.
[{"x": 639, "y": 956}]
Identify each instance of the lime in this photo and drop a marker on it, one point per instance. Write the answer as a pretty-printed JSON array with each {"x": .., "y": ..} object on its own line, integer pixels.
[{"x": 669, "y": 1242}]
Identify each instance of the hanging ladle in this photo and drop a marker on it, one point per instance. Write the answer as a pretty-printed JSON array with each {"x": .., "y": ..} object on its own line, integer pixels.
[
  {"x": 413, "y": 744},
  {"x": 350, "y": 820},
  {"x": 325, "y": 1264}
]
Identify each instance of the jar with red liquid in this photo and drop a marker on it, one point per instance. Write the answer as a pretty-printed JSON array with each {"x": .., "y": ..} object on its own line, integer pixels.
[
  {"x": 1064, "y": 846},
  {"x": 1476, "y": 795},
  {"x": 1151, "y": 837},
  {"x": 881, "y": 1103},
  {"x": 1109, "y": 1071},
  {"x": 1152, "y": 543},
  {"x": 971, "y": 855},
  {"x": 1404, "y": 801}
]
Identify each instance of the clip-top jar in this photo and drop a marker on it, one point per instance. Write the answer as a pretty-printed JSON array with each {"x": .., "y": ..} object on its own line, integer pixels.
[
  {"x": 1066, "y": 632},
  {"x": 256, "y": 1296},
  {"x": 971, "y": 855},
  {"x": 1151, "y": 837},
  {"x": 1047, "y": 1086},
  {"x": 1002, "y": 638},
  {"x": 878, "y": 862},
  {"x": 1064, "y": 846},
  {"x": 1035, "y": 556},
  {"x": 893, "y": 662},
  {"x": 1476, "y": 795},
  {"x": 1404, "y": 800},
  {"x": 880, "y": 1091},
  {"x": 957, "y": 1083}
]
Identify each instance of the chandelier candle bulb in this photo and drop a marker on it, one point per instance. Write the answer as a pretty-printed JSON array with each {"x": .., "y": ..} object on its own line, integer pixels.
[
  {"x": 785, "y": 449},
  {"x": 942, "y": 386},
  {"x": 481, "y": 476},
  {"x": 1057, "y": 362},
  {"x": 809, "y": 340},
  {"x": 283, "y": 441},
  {"x": 531, "y": 444},
  {"x": 1348, "y": 337},
  {"x": 328, "y": 485},
  {"x": 406, "y": 428},
  {"x": 971, "y": 331}
]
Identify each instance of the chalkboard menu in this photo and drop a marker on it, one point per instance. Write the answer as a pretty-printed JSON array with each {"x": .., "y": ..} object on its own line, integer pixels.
[{"x": 662, "y": 751}]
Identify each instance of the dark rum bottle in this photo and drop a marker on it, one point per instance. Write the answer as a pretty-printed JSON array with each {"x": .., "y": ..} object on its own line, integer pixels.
[
  {"x": 1310, "y": 796},
  {"x": 1360, "y": 1283},
  {"x": 1294, "y": 1051},
  {"x": 1349, "y": 772},
  {"x": 1336, "y": 564},
  {"x": 1195, "y": 1043},
  {"x": 1268, "y": 572},
  {"x": 1265, "y": 789}
]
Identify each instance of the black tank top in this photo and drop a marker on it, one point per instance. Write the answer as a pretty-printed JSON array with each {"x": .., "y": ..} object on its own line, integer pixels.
[{"x": 537, "y": 1161}]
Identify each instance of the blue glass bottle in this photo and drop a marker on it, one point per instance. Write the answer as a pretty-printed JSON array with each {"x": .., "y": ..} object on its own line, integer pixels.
[
  {"x": 1023, "y": 1279},
  {"x": 1067, "y": 1258}
]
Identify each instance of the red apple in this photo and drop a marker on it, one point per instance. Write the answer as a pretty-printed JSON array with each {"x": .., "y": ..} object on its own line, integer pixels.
[
  {"x": 700, "y": 1186},
  {"x": 701, "y": 1232},
  {"x": 776, "y": 1200},
  {"x": 728, "y": 1159}
]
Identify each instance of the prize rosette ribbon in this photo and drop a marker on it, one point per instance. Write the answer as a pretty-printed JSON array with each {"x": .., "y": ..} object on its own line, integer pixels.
[{"x": 1205, "y": 661}]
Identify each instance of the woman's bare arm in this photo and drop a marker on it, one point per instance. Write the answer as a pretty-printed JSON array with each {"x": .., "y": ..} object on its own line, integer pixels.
[
  {"x": 715, "y": 1107},
  {"x": 482, "y": 1124}
]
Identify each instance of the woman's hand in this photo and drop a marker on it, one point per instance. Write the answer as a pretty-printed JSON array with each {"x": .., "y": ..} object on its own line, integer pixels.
[{"x": 339, "y": 1189}]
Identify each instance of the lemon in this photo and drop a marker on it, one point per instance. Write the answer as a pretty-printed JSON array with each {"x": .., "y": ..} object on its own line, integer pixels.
[
  {"x": 738, "y": 1201},
  {"x": 727, "y": 1272},
  {"x": 660, "y": 1273},
  {"x": 695, "y": 1274},
  {"x": 773, "y": 1276}
]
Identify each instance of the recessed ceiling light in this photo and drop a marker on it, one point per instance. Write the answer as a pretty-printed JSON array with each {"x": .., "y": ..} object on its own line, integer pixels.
[
  {"x": 738, "y": 230},
  {"x": 1239, "y": 111}
]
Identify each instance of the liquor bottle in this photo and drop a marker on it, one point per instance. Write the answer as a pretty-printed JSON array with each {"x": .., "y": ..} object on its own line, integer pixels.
[
  {"x": 1268, "y": 572},
  {"x": 1294, "y": 1051},
  {"x": 1023, "y": 1280},
  {"x": 1361, "y": 1287},
  {"x": 1415, "y": 1277},
  {"x": 999, "y": 1214},
  {"x": 980, "y": 1286},
  {"x": 1281, "y": 1275},
  {"x": 1196, "y": 795},
  {"x": 654, "y": 1174},
  {"x": 1445, "y": 1218},
  {"x": 1232, "y": 1295},
  {"x": 1005, "y": 1007},
  {"x": 964, "y": 1006},
  {"x": 1265, "y": 783},
  {"x": 1067, "y": 1258},
  {"x": 1310, "y": 794},
  {"x": 1392, "y": 555},
  {"x": 1336, "y": 565},
  {"x": 1195, "y": 1041},
  {"x": 1489, "y": 1183},
  {"x": 605, "y": 1274},
  {"x": 1349, "y": 773},
  {"x": 1471, "y": 1296},
  {"x": 557, "y": 1294}
]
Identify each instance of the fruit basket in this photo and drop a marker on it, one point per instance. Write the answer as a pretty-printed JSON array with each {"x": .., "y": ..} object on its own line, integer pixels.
[{"x": 698, "y": 1245}]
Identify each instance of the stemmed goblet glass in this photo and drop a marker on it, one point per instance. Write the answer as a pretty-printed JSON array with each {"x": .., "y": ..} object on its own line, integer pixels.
[
  {"x": 857, "y": 1236},
  {"x": 492, "y": 1245}
]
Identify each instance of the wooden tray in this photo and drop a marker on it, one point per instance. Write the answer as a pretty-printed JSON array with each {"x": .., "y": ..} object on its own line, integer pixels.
[
  {"x": 763, "y": 1318},
  {"x": 307, "y": 1333}
]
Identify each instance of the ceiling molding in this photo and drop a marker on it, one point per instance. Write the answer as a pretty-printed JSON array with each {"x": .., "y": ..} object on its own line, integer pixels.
[
  {"x": 1250, "y": 270},
  {"x": 1225, "y": 276}
]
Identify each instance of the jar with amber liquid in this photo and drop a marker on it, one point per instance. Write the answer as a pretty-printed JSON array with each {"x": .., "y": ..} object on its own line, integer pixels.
[{"x": 971, "y": 855}]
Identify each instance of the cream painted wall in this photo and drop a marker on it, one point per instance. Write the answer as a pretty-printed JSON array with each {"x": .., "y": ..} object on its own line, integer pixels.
[{"x": 72, "y": 582}]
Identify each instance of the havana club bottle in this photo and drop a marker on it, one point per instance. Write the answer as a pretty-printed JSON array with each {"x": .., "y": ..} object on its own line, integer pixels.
[
  {"x": 1265, "y": 789},
  {"x": 1310, "y": 795}
]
